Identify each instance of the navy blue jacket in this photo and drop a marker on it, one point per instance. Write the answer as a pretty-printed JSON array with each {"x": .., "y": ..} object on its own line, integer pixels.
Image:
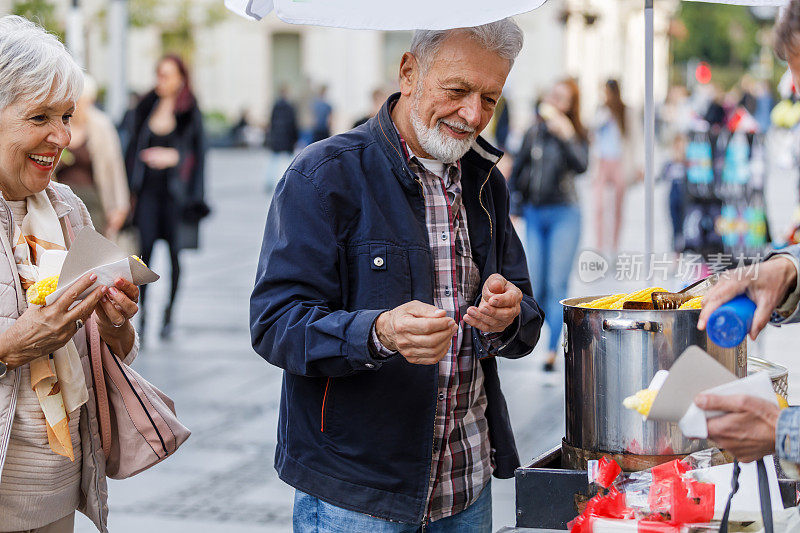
[{"x": 355, "y": 431}]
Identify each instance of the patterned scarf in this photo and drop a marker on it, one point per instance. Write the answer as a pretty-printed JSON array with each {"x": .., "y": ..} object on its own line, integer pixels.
[{"x": 57, "y": 378}]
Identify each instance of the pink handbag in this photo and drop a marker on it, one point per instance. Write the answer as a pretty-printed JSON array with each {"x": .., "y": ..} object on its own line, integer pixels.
[{"x": 138, "y": 426}]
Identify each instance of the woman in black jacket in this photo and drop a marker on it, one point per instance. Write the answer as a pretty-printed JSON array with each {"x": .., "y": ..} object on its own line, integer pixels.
[
  {"x": 165, "y": 162},
  {"x": 542, "y": 182}
]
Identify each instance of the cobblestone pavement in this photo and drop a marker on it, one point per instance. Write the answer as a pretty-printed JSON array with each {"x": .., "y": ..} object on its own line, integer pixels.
[{"x": 222, "y": 480}]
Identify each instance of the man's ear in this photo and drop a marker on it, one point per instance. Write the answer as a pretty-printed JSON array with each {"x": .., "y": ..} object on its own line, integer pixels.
[{"x": 409, "y": 72}]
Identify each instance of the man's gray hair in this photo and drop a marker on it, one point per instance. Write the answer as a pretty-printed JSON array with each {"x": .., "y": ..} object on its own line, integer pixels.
[
  {"x": 35, "y": 65},
  {"x": 503, "y": 37}
]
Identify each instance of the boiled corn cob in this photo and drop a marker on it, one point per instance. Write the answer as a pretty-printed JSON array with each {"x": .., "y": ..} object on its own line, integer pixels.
[
  {"x": 782, "y": 403},
  {"x": 643, "y": 295},
  {"x": 694, "y": 303},
  {"x": 37, "y": 292},
  {"x": 602, "y": 303},
  {"x": 641, "y": 402}
]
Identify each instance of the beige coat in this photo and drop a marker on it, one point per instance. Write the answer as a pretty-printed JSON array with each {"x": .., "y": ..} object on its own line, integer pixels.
[
  {"x": 108, "y": 168},
  {"x": 94, "y": 492}
]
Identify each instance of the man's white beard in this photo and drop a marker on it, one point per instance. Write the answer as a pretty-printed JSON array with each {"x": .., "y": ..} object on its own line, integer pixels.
[{"x": 438, "y": 144}]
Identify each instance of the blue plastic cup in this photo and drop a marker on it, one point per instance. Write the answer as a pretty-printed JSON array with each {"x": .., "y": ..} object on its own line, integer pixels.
[{"x": 729, "y": 323}]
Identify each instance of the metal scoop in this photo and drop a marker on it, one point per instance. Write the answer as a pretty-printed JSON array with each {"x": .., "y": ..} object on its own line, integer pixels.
[{"x": 673, "y": 300}]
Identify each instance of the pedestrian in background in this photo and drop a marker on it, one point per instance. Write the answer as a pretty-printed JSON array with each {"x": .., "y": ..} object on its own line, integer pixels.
[
  {"x": 555, "y": 149},
  {"x": 610, "y": 136},
  {"x": 378, "y": 97},
  {"x": 674, "y": 172},
  {"x": 321, "y": 112},
  {"x": 165, "y": 162},
  {"x": 281, "y": 137},
  {"x": 93, "y": 165}
]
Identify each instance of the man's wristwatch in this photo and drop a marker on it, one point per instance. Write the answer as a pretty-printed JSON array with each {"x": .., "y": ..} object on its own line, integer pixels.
[{"x": 3, "y": 369}]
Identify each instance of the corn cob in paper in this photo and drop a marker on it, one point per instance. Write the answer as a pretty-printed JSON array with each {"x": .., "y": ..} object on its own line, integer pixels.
[{"x": 40, "y": 290}]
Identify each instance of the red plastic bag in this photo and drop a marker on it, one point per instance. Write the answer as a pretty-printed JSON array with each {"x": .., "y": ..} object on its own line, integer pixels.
[{"x": 608, "y": 470}]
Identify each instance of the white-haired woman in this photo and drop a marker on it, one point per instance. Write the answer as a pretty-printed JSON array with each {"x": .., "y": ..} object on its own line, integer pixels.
[
  {"x": 51, "y": 462},
  {"x": 93, "y": 165}
]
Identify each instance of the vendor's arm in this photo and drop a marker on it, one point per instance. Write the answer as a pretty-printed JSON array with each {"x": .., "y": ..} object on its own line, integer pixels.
[
  {"x": 297, "y": 320},
  {"x": 769, "y": 284}
]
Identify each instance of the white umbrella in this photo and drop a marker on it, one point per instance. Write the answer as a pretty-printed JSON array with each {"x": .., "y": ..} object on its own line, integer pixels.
[
  {"x": 383, "y": 15},
  {"x": 444, "y": 14}
]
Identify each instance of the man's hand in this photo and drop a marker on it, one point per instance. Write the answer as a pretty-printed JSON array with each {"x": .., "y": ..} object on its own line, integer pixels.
[
  {"x": 421, "y": 332},
  {"x": 765, "y": 283},
  {"x": 748, "y": 428},
  {"x": 498, "y": 308}
]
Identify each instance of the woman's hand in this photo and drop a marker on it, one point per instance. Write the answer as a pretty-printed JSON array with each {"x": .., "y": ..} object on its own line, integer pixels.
[
  {"x": 159, "y": 157},
  {"x": 114, "y": 222},
  {"x": 560, "y": 126},
  {"x": 42, "y": 330},
  {"x": 113, "y": 316}
]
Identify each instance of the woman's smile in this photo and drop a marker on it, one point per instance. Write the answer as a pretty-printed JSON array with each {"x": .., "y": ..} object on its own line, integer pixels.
[{"x": 43, "y": 162}]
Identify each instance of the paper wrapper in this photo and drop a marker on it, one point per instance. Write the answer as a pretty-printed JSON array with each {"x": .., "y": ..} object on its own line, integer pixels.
[
  {"x": 44, "y": 382},
  {"x": 91, "y": 252},
  {"x": 696, "y": 372}
]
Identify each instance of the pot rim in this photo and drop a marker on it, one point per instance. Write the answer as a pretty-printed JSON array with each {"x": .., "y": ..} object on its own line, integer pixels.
[{"x": 575, "y": 301}]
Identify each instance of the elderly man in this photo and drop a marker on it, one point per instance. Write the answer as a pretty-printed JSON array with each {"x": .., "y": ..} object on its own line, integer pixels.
[{"x": 389, "y": 279}]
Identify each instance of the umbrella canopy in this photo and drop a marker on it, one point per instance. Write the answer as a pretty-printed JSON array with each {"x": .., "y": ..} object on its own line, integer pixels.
[{"x": 381, "y": 15}]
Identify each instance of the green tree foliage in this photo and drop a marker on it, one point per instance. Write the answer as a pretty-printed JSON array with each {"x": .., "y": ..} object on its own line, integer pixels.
[
  {"x": 719, "y": 34},
  {"x": 42, "y": 12},
  {"x": 177, "y": 21}
]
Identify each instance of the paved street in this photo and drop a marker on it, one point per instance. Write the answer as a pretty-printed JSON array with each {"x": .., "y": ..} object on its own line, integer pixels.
[{"x": 222, "y": 479}]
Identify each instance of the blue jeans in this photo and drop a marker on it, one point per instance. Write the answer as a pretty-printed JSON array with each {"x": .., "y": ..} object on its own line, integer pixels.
[
  {"x": 312, "y": 515},
  {"x": 553, "y": 232}
]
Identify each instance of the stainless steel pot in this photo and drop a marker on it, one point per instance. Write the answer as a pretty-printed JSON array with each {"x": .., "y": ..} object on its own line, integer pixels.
[{"x": 611, "y": 354}]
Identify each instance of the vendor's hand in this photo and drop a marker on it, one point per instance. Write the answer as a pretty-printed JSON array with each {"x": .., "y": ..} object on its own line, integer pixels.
[
  {"x": 160, "y": 157},
  {"x": 748, "y": 428},
  {"x": 500, "y": 305},
  {"x": 42, "y": 330},
  {"x": 765, "y": 283},
  {"x": 113, "y": 316},
  {"x": 421, "y": 332}
]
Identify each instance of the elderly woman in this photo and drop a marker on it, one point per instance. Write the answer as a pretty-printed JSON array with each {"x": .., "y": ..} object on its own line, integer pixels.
[{"x": 51, "y": 462}]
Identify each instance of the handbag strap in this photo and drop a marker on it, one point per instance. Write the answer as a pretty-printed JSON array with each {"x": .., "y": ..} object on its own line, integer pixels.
[
  {"x": 766, "y": 499},
  {"x": 67, "y": 222},
  {"x": 723, "y": 528},
  {"x": 100, "y": 390},
  {"x": 763, "y": 492}
]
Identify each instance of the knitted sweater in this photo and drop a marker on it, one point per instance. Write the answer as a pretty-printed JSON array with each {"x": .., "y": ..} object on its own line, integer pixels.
[{"x": 38, "y": 486}]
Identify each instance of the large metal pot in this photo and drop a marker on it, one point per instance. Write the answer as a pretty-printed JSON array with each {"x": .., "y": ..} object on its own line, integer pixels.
[{"x": 611, "y": 354}]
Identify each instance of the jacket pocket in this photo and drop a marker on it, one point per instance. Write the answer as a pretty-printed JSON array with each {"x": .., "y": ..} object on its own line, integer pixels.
[{"x": 379, "y": 276}]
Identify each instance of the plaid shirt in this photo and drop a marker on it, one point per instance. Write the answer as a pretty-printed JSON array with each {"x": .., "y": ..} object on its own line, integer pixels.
[{"x": 461, "y": 461}]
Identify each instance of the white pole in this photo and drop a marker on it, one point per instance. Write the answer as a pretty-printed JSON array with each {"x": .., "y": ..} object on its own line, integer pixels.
[
  {"x": 75, "y": 37},
  {"x": 118, "y": 55},
  {"x": 649, "y": 133}
]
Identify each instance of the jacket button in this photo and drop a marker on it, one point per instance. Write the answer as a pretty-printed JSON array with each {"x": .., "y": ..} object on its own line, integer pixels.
[
  {"x": 369, "y": 365},
  {"x": 441, "y": 396},
  {"x": 444, "y": 236},
  {"x": 378, "y": 262}
]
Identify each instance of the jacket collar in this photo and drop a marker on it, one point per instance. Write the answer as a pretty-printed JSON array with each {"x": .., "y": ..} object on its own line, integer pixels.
[{"x": 481, "y": 153}]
